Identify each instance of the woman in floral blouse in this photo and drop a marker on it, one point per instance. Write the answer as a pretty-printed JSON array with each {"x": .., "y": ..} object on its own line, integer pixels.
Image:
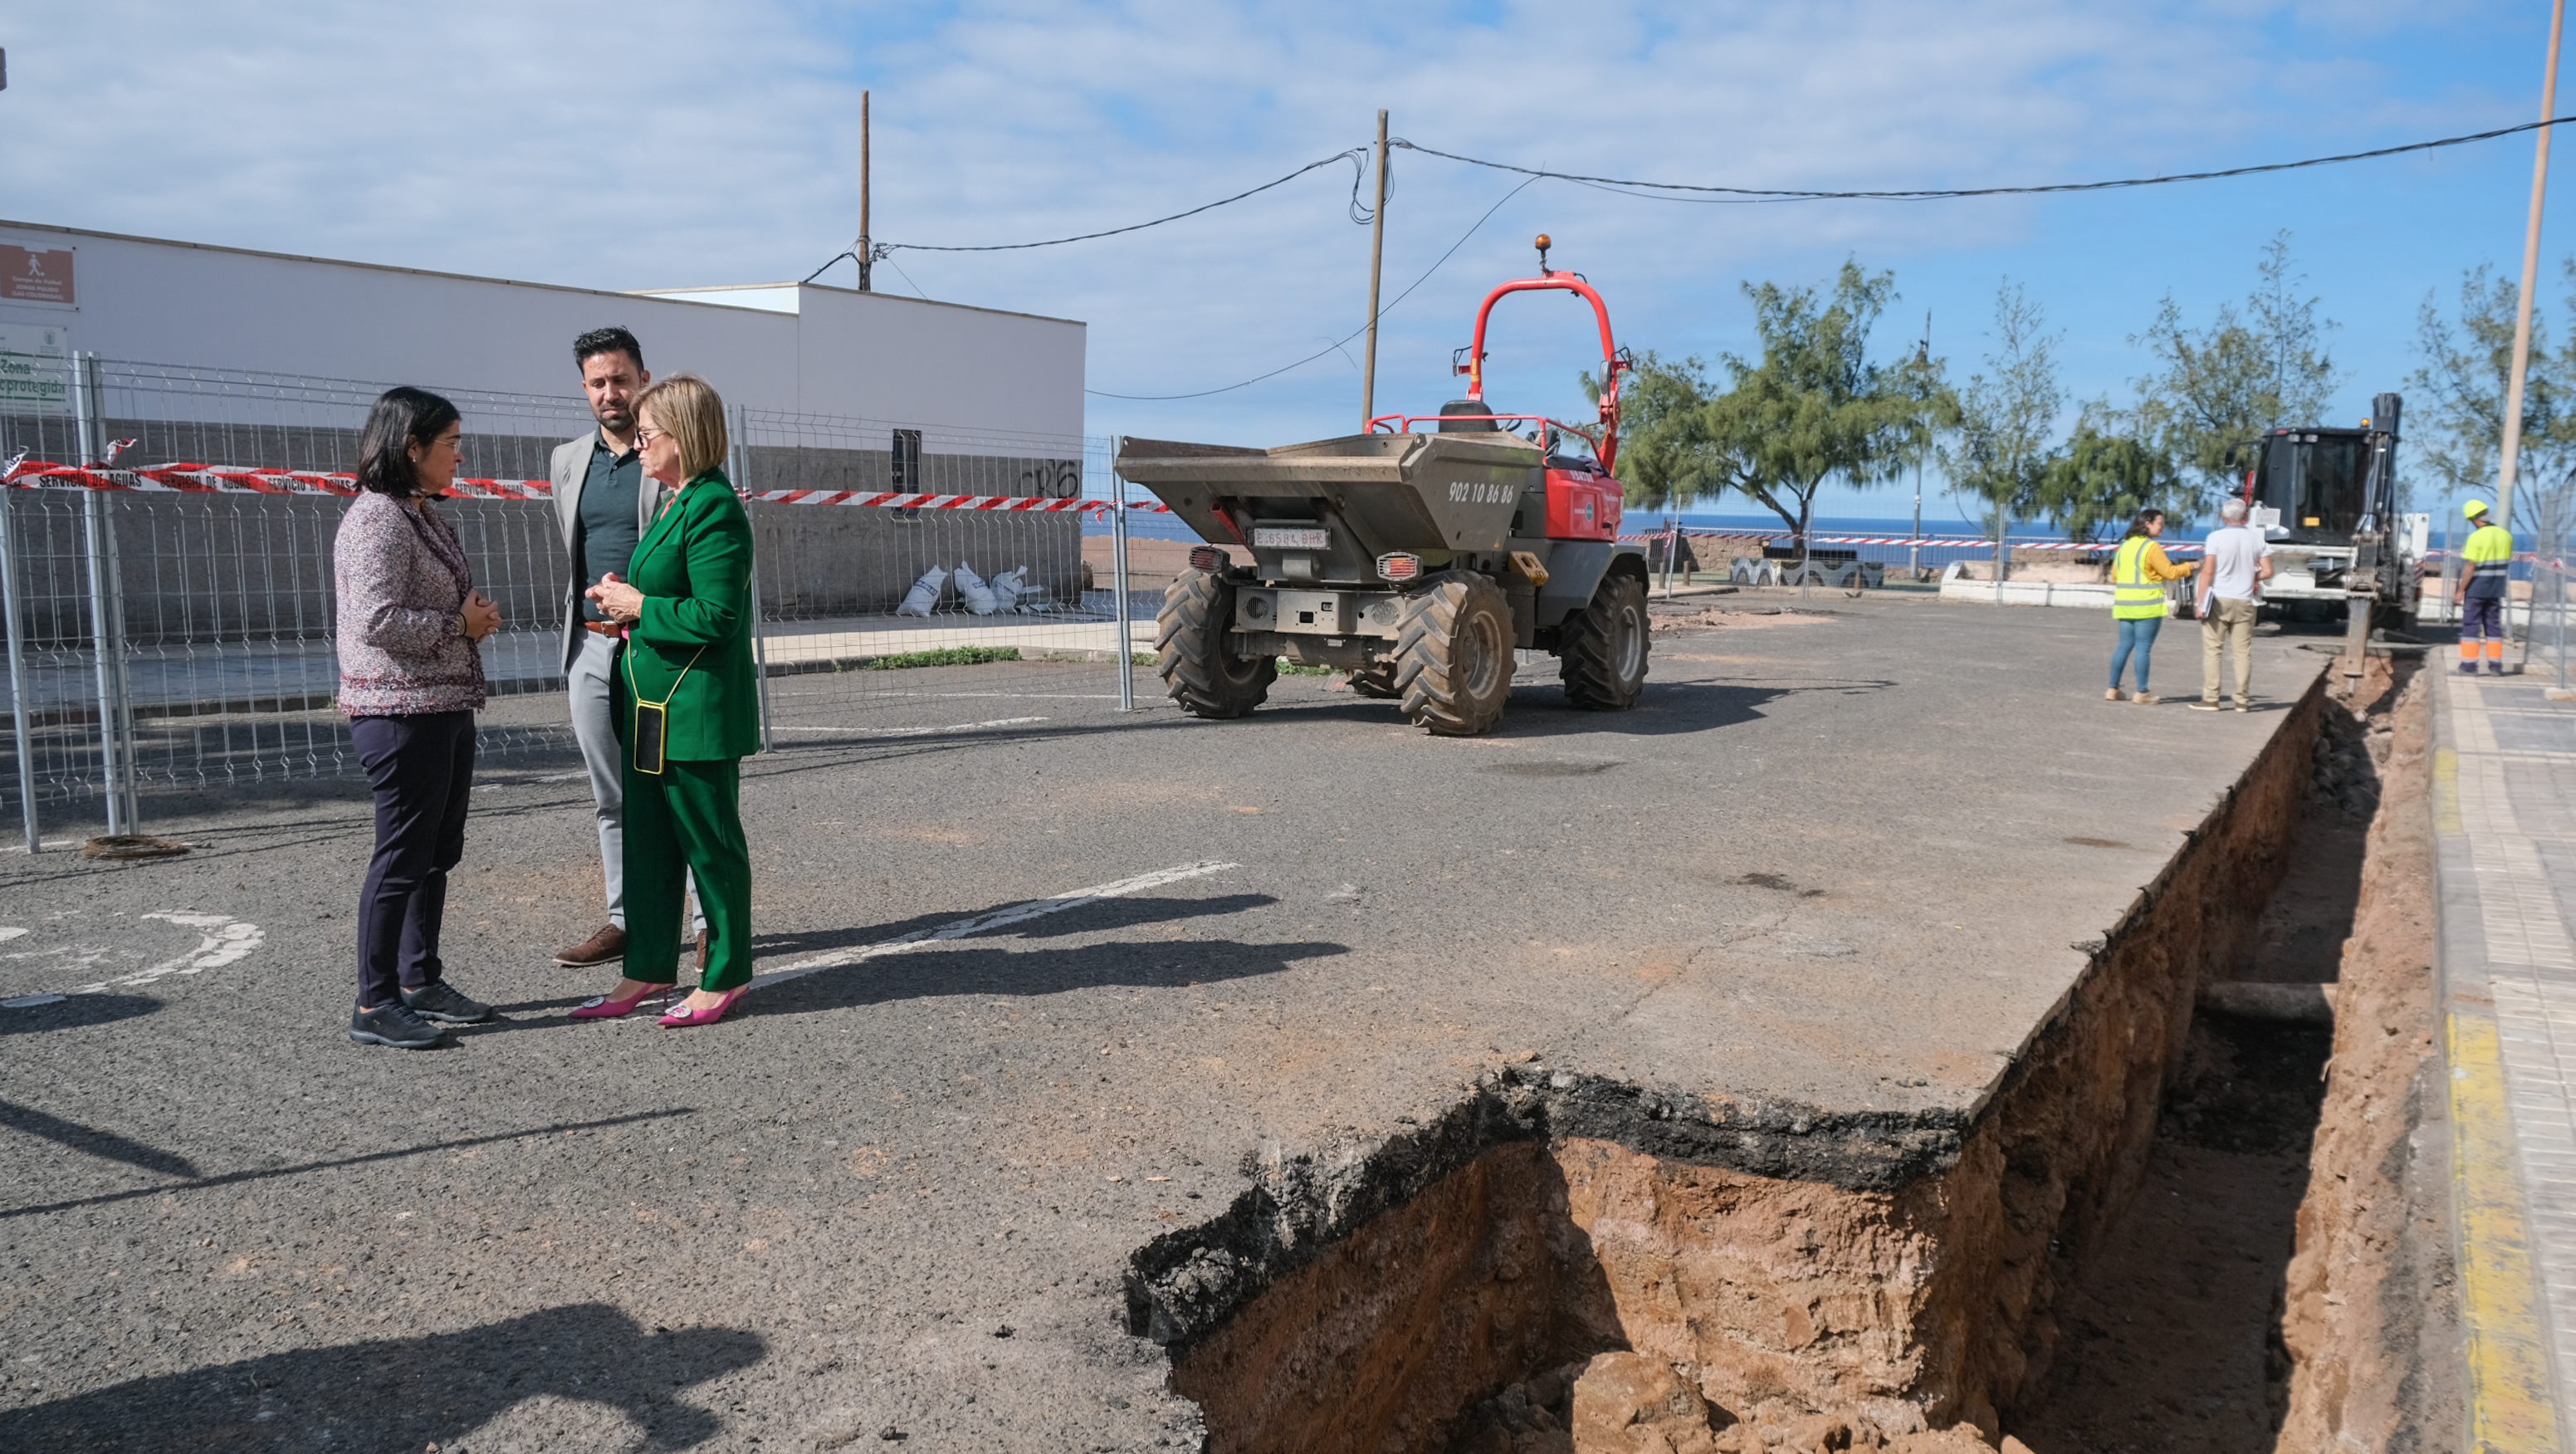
[{"x": 411, "y": 626}]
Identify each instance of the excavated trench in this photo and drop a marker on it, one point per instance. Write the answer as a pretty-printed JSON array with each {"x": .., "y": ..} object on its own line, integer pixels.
[{"x": 1764, "y": 1274}]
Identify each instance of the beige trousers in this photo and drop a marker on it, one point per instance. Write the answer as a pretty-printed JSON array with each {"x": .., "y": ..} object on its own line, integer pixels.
[{"x": 2227, "y": 621}]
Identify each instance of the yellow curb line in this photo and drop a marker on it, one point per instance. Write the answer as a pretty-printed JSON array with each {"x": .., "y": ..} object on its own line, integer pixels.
[{"x": 2511, "y": 1408}]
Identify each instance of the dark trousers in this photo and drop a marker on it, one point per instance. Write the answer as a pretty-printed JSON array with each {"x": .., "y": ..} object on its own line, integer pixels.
[
  {"x": 2482, "y": 616},
  {"x": 422, "y": 769}
]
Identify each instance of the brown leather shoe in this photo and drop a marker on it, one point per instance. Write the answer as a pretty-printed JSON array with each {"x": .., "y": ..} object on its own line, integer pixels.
[{"x": 604, "y": 947}]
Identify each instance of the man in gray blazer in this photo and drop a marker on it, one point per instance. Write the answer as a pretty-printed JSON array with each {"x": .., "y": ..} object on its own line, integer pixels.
[{"x": 603, "y": 504}]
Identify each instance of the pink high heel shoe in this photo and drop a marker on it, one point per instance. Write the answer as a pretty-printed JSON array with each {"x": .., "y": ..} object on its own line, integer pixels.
[
  {"x": 684, "y": 1018},
  {"x": 601, "y": 1007}
]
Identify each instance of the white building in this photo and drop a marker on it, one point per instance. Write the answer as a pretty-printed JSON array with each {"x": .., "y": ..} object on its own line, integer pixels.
[{"x": 788, "y": 348}]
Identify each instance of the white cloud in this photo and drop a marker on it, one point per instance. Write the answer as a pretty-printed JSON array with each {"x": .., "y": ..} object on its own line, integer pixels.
[{"x": 663, "y": 143}]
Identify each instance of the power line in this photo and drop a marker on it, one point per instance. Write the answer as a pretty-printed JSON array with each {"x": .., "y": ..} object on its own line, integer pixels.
[
  {"x": 1357, "y": 156},
  {"x": 1934, "y": 194},
  {"x": 1345, "y": 338}
]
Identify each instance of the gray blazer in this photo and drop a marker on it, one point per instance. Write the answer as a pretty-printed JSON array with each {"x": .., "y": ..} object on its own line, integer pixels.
[{"x": 569, "y": 468}]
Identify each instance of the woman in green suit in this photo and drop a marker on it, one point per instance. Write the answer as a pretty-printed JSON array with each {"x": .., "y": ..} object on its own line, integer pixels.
[{"x": 687, "y": 708}]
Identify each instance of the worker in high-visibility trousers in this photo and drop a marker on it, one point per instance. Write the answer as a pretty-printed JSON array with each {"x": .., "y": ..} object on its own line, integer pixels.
[{"x": 2481, "y": 595}]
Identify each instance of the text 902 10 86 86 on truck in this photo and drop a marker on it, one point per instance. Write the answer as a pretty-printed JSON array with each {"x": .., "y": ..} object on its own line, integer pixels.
[{"x": 1419, "y": 556}]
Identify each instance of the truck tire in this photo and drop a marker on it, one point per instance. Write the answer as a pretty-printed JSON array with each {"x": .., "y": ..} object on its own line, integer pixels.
[
  {"x": 1198, "y": 669},
  {"x": 1453, "y": 654},
  {"x": 1603, "y": 658},
  {"x": 1375, "y": 682}
]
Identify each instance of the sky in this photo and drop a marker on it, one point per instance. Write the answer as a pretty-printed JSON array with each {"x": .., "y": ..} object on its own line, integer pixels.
[{"x": 663, "y": 143}]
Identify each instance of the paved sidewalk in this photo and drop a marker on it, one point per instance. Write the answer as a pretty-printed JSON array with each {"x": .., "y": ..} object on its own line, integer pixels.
[{"x": 2505, "y": 829}]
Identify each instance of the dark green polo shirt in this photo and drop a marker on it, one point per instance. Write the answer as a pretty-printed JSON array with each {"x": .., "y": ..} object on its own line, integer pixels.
[{"x": 605, "y": 538}]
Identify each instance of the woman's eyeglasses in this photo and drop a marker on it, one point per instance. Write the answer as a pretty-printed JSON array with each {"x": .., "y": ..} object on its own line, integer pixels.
[{"x": 645, "y": 436}]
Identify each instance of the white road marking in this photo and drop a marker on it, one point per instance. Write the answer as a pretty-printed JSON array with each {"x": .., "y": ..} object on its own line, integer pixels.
[
  {"x": 995, "y": 919},
  {"x": 917, "y": 731},
  {"x": 221, "y": 940},
  {"x": 9, "y": 932}
]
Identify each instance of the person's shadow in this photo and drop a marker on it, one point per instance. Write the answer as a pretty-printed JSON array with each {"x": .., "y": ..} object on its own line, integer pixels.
[{"x": 404, "y": 1393}]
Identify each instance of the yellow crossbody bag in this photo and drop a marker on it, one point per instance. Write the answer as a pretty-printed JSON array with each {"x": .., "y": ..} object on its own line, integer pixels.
[{"x": 653, "y": 719}]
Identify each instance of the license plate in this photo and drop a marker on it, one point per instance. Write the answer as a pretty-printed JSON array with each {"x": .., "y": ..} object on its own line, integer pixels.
[{"x": 1291, "y": 537}]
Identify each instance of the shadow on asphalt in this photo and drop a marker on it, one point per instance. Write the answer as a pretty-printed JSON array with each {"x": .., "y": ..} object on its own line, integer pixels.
[
  {"x": 75, "y": 1012},
  {"x": 1123, "y": 913},
  {"x": 1107, "y": 914},
  {"x": 1028, "y": 972},
  {"x": 269, "y": 1173},
  {"x": 90, "y": 1141},
  {"x": 407, "y": 1393}
]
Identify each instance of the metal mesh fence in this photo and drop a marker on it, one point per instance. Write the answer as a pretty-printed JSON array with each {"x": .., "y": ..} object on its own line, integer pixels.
[
  {"x": 2552, "y": 521},
  {"x": 996, "y": 586},
  {"x": 185, "y": 517}
]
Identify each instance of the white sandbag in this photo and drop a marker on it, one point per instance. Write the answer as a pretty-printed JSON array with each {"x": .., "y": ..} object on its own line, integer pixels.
[
  {"x": 924, "y": 593},
  {"x": 972, "y": 590},
  {"x": 1008, "y": 587}
]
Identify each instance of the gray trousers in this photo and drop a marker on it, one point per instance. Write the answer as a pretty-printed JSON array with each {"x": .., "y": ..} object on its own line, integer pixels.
[{"x": 592, "y": 695}]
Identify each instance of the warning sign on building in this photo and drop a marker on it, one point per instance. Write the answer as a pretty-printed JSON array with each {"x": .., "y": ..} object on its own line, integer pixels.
[{"x": 36, "y": 275}]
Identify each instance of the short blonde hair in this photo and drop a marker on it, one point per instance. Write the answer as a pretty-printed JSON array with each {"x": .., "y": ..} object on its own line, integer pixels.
[{"x": 686, "y": 408}]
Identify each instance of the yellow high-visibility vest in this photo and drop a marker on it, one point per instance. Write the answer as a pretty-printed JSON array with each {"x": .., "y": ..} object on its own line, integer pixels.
[
  {"x": 2133, "y": 596},
  {"x": 2489, "y": 552}
]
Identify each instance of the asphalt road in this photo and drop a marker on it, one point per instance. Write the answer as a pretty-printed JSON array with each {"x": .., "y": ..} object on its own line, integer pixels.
[{"x": 1032, "y": 995}]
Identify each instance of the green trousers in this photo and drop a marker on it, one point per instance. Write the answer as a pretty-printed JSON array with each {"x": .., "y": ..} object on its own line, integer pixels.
[{"x": 689, "y": 816}]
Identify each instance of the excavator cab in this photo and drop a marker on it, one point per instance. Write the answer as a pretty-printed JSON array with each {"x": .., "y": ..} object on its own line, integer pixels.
[
  {"x": 2309, "y": 485},
  {"x": 2320, "y": 486}
]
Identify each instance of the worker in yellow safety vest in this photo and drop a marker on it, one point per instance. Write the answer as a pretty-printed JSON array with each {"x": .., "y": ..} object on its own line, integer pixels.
[
  {"x": 2482, "y": 589},
  {"x": 2139, "y": 571}
]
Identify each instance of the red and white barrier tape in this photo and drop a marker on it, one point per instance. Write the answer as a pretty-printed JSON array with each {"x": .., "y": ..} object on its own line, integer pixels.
[
  {"x": 922, "y": 502},
  {"x": 23, "y": 473}
]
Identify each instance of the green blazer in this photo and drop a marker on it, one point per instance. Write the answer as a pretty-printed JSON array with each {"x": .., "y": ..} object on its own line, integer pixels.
[{"x": 694, "y": 567}]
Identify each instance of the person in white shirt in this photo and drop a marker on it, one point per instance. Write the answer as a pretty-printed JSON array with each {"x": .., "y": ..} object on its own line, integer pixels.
[{"x": 2235, "y": 562}]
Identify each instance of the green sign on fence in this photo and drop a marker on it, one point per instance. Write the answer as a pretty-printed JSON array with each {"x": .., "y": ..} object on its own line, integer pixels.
[{"x": 35, "y": 370}]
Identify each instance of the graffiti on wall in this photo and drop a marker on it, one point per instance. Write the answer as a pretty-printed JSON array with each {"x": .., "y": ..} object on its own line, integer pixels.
[{"x": 1051, "y": 479}]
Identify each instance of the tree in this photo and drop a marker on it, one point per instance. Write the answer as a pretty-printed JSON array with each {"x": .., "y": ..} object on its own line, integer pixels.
[
  {"x": 2457, "y": 392},
  {"x": 2007, "y": 415},
  {"x": 2107, "y": 474},
  {"x": 1666, "y": 458},
  {"x": 2215, "y": 388},
  {"x": 1814, "y": 406}
]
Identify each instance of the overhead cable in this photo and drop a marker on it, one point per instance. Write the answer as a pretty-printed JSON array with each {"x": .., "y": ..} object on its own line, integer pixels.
[
  {"x": 1935, "y": 194},
  {"x": 1345, "y": 338}
]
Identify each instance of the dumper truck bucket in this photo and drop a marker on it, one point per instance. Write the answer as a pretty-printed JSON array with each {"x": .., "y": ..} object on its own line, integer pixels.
[{"x": 1367, "y": 494}]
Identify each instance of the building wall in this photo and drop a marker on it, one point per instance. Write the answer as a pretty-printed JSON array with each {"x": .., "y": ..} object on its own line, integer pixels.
[{"x": 842, "y": 353}]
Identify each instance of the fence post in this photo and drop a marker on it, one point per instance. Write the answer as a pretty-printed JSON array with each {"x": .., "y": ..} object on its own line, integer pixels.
[
  {"x": 1118, "y": 583},
  {"x": 19, "y": 696},
  {"x": 1672, "y": 547},
  {"x": 739, "y": 466},
  {"x": 98, "y": 539}
]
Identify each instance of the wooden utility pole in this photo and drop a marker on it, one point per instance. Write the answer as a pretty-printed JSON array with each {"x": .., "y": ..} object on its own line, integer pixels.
[
  {"x": 1377, "y": 261},
  {"x": 2530, "y": 271},
  {"x": 866, "y": 248}
]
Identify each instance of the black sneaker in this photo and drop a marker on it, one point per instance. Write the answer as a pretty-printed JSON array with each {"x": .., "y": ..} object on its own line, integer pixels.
[
  {"x": 393, "y": 1023},
  {"x": 442, "y": 1003}
]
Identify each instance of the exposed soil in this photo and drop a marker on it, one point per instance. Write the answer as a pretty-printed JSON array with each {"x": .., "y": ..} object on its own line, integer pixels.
[
  {"x": 2170, "y": 1339},
  {"x": 2372, "y": 1321},
  {"x": 1837, "y": 1281},
  {"x": 2197, "y": 1329}
]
